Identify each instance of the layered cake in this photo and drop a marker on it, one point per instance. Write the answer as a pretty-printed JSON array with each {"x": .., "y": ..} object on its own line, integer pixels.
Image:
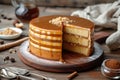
[{"x": 50, "y": 35}]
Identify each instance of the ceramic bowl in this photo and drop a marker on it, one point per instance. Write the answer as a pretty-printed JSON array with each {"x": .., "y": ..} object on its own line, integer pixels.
[{"x": 13, "y": 36}]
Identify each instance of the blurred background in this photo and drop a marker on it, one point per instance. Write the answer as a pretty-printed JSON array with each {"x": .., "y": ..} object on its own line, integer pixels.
[{"x": 64, "y": 3}]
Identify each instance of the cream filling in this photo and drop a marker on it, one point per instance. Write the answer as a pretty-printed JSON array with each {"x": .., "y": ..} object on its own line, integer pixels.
[{"x": 45, "y": 48}]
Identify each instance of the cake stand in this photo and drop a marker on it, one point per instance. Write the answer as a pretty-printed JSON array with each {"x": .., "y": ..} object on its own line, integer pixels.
[{"x": 72, "y": 61}]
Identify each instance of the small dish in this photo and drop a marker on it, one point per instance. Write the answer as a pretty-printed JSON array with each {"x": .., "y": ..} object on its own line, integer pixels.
[
  {"x": 12, "y": 36},
  {"x": 108, "y": 72}
]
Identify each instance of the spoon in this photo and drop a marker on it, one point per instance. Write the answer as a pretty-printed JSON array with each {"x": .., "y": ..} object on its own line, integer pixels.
[
  {"x": 10, "y": 75},
  {"x": 13, "y": 72},
  {"x": 7, "y": 74}
]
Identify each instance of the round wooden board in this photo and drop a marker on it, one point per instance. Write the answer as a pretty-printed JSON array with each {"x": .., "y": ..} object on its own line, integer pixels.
[{"x": 72, "y": 61}]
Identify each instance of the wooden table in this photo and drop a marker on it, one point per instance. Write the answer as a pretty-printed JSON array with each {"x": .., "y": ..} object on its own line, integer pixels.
[{"x": 93, "y": 74}]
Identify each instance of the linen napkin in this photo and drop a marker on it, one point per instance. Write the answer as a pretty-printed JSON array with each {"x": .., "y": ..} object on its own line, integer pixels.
[{"x": 103, "y": 15}]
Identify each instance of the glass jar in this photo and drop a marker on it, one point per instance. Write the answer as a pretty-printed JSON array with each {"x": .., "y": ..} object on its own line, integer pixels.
[
  {"x": 109, "y": 72},
  {"x": 25, "y": 9}
]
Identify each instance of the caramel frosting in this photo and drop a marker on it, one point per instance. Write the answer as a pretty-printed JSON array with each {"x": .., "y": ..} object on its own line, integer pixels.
[{"x": 77, "y": 21}]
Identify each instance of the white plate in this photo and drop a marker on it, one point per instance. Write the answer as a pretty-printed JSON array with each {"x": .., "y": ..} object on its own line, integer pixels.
[{"x": 14, "y": 36}]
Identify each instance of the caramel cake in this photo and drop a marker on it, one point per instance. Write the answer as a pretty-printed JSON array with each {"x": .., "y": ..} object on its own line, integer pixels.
[{"x": 50, "y": 34}]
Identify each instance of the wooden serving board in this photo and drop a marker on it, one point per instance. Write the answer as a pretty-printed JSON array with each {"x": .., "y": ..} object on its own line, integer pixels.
[{"x": 72, "y": 61}]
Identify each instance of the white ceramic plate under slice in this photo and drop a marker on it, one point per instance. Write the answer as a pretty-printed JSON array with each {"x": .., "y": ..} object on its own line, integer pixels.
[{"x": 14, "y": 36}]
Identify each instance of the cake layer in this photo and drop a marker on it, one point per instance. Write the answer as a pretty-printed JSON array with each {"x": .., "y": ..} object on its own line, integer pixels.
[
  {"x": 44, "y": 43},
  {"x": 45, "y": 31},
  {"x": 77, "y": 30},
  {"x": 45, "y": 47},
  {"x": 76, "y": 39},
  {"x": 44, "y": 53},
  {"x": 78, "y": 49},
  {"x": 47, "y": 37}
]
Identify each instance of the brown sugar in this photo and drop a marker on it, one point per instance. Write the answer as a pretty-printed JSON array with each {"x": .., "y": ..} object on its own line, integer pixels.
[
  {"x": 113, "y": 64},
  {"x": 8, "y": 31}
]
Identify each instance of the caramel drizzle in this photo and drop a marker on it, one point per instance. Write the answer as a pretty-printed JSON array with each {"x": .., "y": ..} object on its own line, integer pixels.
[
  {"x": 45, "y": 36},
  {"x": 44, "y": 33},
  {"x": 45, "y": 45},
  {"x": 45, "y": 48}
]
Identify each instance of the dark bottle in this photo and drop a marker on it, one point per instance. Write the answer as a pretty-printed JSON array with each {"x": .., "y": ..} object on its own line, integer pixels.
[{"x": 25, "y": 11}]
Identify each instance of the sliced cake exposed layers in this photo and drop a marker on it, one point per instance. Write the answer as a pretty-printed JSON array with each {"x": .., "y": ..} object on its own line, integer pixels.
[
  {"x": 49, "y": 34},
  {"x": 78, "y": 39},
  {"x": 77, "y": 34}
]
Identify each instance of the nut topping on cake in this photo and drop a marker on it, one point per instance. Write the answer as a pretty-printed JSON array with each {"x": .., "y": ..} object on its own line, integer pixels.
[{"x": 60, "y": 20}]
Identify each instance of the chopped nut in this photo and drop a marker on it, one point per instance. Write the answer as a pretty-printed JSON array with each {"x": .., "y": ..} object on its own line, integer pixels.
[
  {"x": 60, "y": 20},
  {"x": 12, "y": 51},
  {"x": 8, "y": 31},
  {"x": 12, "y": 60},
  {"x": 19, "y": 25},
  {"x": 15, "y": 21}
]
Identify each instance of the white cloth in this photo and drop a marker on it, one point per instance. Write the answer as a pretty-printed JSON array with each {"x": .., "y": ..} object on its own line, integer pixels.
[
  {"x": 113, "y": 41},
  {"x": 103, "y": 15}
]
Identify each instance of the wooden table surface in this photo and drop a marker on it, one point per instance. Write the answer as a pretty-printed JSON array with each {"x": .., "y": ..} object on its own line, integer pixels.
[{"x": 93, "y": 74}]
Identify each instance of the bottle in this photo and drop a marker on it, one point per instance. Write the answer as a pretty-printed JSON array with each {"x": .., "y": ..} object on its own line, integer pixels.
[{"x": 26, "y": 10}]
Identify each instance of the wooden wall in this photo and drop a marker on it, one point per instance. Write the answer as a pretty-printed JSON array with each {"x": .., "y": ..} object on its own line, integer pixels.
[{"x": 64, "y": 3}]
